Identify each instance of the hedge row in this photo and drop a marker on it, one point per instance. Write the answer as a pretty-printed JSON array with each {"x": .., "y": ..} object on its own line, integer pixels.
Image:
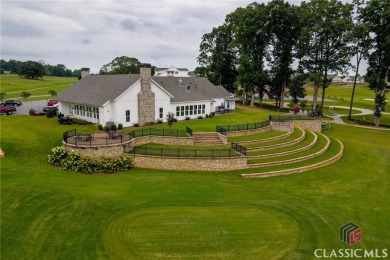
[
  {"x": 271, "y": 107},
  {"x": 73, "y": 161}
]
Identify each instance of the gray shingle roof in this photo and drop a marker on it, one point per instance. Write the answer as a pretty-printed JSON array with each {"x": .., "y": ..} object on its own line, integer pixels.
[
  {"x": 200, "y": 88},
  {"x": 96, "y": 90}
]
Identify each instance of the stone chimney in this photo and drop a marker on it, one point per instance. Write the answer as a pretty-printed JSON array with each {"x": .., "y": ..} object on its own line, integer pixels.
[
  {"x": 85, "y": 72},
  {"x": 146, "y": 98}
]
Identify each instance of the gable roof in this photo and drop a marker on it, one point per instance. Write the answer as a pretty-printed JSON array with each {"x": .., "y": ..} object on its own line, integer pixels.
[
  {"x": 200, "y": 88},
  {"x": 99, "y": 89}
]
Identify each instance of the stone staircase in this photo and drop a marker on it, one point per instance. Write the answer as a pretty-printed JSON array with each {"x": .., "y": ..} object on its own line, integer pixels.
[{"x": 210, "y": 138}]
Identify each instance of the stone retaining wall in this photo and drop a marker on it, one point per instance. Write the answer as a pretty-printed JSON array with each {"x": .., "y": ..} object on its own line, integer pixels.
[
  {"x": 168, "y": 140},
  {"x": 268, "y": 139},
  {"x": 300, "y": 169},
  {"x": 286, "y": 144},
  {"x": 189, "y": 164},
  {"x": 97, "y": 151},
  {"x": 248, "y": 132},
  {"x": 312, "y": 125}
]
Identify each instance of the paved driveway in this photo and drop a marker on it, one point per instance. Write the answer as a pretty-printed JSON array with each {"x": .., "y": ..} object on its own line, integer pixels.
[{"x": 27, "y": 105}]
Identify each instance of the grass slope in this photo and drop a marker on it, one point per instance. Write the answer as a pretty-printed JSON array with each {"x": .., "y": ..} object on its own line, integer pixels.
[
  {"x": 13, "y": 86},
  {"x": 51, "y": 214}
]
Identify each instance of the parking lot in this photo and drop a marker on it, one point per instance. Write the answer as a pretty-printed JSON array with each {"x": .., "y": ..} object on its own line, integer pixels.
[{"x": 27, "y": 105}]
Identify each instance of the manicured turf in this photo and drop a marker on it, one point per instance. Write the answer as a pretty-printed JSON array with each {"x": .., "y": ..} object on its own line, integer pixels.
[
  {"x": 309, "y": 138},
  {"x": 13, "y": 86},
  {"x": 321, "y": 142},
  {"x": 385, "y": 118},
  {"x": 260, "y": 136},
  {"x": 296, "y": 134},
  {"x": 143, "y": 214}
]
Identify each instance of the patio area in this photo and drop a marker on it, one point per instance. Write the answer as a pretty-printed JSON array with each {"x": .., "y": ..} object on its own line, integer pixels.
[{"x": 72, "y": 137}]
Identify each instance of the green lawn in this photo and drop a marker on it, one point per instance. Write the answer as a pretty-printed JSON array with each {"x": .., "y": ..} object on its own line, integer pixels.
[
  {"x": 385, "y": 118},
  {"x": 47, "y": 213},
  {"x": 13, "y": 85},
  {"x": 340, "y": 95}
]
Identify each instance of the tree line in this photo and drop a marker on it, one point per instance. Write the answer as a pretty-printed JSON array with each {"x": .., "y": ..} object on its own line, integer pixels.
[
  {"x": 36, "y": 69},
  {"x": 276, "y": 48}
]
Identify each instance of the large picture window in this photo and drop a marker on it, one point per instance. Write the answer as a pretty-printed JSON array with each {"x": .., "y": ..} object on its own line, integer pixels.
[{"x": 190, "y": 110}]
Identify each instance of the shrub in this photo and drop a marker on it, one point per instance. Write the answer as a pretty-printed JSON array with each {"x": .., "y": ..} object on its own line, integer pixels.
[
  {"x": 296, "y": 109},
  {"x": 159, "y": 121},
  {"x": 325, "y": 126},
  {"x": 113, "y": 127},
  {"x": 52, "y": 92},
  {"x": 73, "y": 161},
  {"x": 200, "y": 117},
  {"x": 170, "y": 119},
  {"x": 271, "y": 107},
  {"x": 187, "y": 118},
  {"x": 136, "y": 125},
  {"x": 51, "y": 113},
  {"x": 149, "y": 123},
  {"x": 120, "y": 126},
  {"x": 303, "y": 104},
  {"x": 100, "y": 127},
  {"x": 78, "y": 121},
  {"x": 106, "y": 128}
]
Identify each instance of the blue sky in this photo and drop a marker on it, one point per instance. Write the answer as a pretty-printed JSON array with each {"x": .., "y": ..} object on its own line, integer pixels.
[{"x": 92, "y": 33}]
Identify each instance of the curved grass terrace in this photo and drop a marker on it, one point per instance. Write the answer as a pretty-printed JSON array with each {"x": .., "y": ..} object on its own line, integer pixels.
[
  {"x": 319, "y": 145},
  {"x": 310, "y": 137}
]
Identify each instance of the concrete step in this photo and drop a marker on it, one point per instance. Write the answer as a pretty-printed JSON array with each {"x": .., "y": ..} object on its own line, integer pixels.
[{"x": 207, "y": 139}]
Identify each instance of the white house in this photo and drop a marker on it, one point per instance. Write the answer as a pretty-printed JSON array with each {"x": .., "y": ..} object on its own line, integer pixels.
[
  {"x": 141, "y": 98},
  {"x": 172, "y": 72}
]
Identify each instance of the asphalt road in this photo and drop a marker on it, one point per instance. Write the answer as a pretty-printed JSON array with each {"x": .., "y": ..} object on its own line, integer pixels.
[{"x": 27, "y": 105}]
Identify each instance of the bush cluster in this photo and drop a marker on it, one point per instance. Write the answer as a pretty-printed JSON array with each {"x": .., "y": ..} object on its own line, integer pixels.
[
  {"x": 271, "y": 107},
  {"x": 73, "y": 161},
  {"x": 78, "y": 121},
  {"x": 325, "y": 126},
  {"x": 367, "y": 122}
]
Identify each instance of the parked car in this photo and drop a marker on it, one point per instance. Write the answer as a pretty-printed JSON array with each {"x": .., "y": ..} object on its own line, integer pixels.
[
  {"x": 7, "y": 110},
  {"x": 52, "y": 102},
  {"x": 65, "y": 120},
  {"x": 36, "y": 112},
  {"x": 13, "y": 102},
  {"x": 47, "y": 108}
]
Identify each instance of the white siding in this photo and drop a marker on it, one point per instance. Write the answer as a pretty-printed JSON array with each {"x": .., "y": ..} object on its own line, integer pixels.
[
  {"x": 172, "y": 72},
  {"x": 85, "y": 112},
  {"x": 127, "y": 101},
  {"x": 163, "y": 100}
]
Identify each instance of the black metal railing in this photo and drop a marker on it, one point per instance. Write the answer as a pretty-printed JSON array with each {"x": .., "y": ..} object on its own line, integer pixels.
[
  {"x": 158, "y": 132},
  {"x": 183, "y": 152},
  {"x": 69, "y": 134},
  {"x": 88, "y": 139},
  {"x": 279, "y": 118},
  {"x": 240, "y": 127},
  {"x": 188, "y": 131},
  {"x": 238, "y": 148}
]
